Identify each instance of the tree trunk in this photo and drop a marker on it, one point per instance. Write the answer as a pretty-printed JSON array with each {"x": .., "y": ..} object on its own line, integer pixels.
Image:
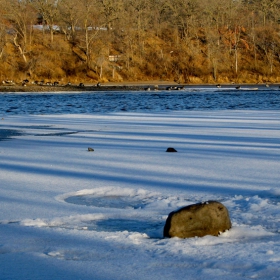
[{"x": 20, "y": 49}]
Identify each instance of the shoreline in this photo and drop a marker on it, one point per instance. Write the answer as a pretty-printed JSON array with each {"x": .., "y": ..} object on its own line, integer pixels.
[{"x": 129, "y": 86}]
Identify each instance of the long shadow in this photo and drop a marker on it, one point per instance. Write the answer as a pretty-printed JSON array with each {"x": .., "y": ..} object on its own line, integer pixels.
[
  {"x": 152, "y": 142},
  {"x": 6, "y": 134},
  {"x": 120, "y": 176},
  {"x": 47, "y": 254}
]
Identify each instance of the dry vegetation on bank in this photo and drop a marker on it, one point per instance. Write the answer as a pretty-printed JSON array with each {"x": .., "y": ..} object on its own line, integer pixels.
[{"x": 187, "y": 41}]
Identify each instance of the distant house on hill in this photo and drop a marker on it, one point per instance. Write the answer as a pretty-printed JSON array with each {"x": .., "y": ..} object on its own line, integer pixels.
[{"x": 114, "y": 58}]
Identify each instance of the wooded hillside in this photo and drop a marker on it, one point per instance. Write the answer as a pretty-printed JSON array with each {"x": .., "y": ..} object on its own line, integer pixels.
[{"x": 187, "y": 41}]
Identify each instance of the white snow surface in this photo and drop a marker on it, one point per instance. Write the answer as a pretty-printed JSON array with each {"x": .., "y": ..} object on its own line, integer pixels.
[{"x": 67, "y": 213}]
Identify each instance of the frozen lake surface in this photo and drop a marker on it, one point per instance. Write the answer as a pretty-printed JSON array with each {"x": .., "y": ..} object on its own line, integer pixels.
[{"x": 67, "y": 213}]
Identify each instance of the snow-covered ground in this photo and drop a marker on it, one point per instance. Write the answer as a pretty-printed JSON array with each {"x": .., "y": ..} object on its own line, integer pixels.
[{"x": 67, "y": 213}]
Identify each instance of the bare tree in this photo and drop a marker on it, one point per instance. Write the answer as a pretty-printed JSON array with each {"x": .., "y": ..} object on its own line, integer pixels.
[
  {"x": 49, "y": 12},
  {"x": 111, "y": 11},
  {"x": 213, "y": 16},
  {"x": 3, "y": 39},
  {"x": 268, "y": 42},
  {"x": 21, "y": 16},
  {"x": 268, "y": 9},
  {"x": 70, "y": 17},
  {"x": 92, "y": 25},
  {"x": 182, "y": 14}
]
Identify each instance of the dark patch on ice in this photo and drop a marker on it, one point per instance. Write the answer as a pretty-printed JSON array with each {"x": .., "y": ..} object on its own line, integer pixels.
[
  {"x": 37, "y": 127},
  {"x": 120, "y": 202},
  {"x": 62, "y": 132},
  {"x": 4, "y": 250},
  {"x": 171, "y": 150},
  {"x": 150, "y": 227},
  {"x": 8, "y": 134},
  {"x": 57, "y": 133}
]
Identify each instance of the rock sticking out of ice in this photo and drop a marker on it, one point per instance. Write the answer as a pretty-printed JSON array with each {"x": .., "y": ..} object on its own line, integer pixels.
[{"x": 208, "y": 218}]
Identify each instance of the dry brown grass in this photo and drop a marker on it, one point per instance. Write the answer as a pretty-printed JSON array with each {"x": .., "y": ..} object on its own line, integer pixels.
[{"x": 153, "y": 58}]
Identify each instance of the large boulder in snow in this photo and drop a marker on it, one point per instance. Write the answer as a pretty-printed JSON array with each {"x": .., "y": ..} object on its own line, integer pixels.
[{"x": 208, "y": 218}]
